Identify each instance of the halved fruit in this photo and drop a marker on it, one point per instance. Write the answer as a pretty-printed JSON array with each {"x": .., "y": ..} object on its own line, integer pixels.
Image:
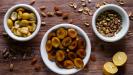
[
  {"x": 55, "y": 42},
  {"x": 78, "y": 63},
  {"x": 71, "y": 55},
  {"x": 109, "y": 68},
  {"x": 72, "y": 33},
  {"x": 81, "y": 53},
  {"x": 51, "y": 55},
  {"x": 66, "y": 41},
  {"x": 68, "y": 64},
  {"x": 48, "y": 45},
  {"x": 120, "y": 58},
  {"x": 73, "y": 45},
  {"x": 60, "y": 55},
  {"x": 61, "y": 33},
  {"x": 51, "y": 34},
  {"x": 81, "y": 42}
]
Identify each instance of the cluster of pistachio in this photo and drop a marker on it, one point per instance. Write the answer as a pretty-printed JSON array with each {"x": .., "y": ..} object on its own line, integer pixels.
[{"x": 22, "y": 22}]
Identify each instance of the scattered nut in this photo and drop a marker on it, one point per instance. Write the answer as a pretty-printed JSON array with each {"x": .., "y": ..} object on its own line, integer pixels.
[
  {"x": 93, "y": 57},
  {"x": 83, "y": 0},
  {"x": 80, "y": 9},
  {"x": 50, "y": 14},
  {"x": 11, "y": 66},
  {"x": 130, "y": 15},
  {"x": 65, "y": 15},
  {"x": 42, "y": 8},
  {"x": 84, "y": 4},
  {"x": 121, "y": 2},
  {"x": 34, "y": 60},
  {"x": 43, "y": 14},
  {"x": 32, "y": 2},
  {"x": 37, "y": 67},
  {"x": 73, "y": 5},
  {"x": 97, "y": 5},
  {"x": 86, "y": 24},
  {"x": 58, "y": 13},
  {"x": 5, "y": 53},
  {"x": 89, "y": 1},
  {"x": 43, "y": 23},
  {"x": 56, "y": 8}
]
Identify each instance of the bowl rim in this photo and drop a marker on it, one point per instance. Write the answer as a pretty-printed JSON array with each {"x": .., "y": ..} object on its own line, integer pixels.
[
  {"x": 44, "y": 53},
  {"x": 10, "y": 33},
  {"x": 109, "y": 39}
]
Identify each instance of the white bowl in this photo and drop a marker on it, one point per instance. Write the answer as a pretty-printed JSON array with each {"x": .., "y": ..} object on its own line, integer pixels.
[
  {"x": 52, "y": 65},
  {"x": 9, "y": 32},
  {"x": 125, "y": 22}
]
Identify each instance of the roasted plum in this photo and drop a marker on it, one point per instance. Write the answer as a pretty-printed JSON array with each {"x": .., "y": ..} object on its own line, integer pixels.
[
  {"x": 71, "y": 55},
  {"x": 81, "y": 42},
  {"x": 73, "y": 45},
  {"x": 61, "y": 33},
  {"x": 66, "y": 41},
  {"x": 55, "y": 42},
  {"x": 78, "y": 62},
  {"x": 51, "y": 56},
  {"x": 68, "y": 64},
  {"x": 59, "y": 64},
  {"x": 50, "y": 35},
  {"x": 81, "y": 53},
  {"x": 60, "y": 55},
  {"x": 72, "y": 33},
  {"x": 48, "y": 45}
]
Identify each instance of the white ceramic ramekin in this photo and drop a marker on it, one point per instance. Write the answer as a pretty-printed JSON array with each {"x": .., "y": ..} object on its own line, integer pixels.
[
  {"x": 52, "y": 65},
  {"x": 125, "y": 22},
  {"x": 9, "y": 32}
]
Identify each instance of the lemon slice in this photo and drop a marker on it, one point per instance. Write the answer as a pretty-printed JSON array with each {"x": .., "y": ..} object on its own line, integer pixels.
[
  {"x": 109, "y": 68},
  {"x": 120, "y": 58}
]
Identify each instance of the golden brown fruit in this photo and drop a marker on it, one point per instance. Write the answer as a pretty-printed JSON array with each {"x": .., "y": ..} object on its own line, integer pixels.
[
  {"x": 48, "y": 45},
  {"x": 81, "y": 53},
  {"x": 61, "y": 33},
  {"x": 71, "y": 55},
  {"x": 25, "y": 16},
  {"x": 109, "y": 68},
  {"x": 10, "y": 23},
  {"x": 51, "y": 34},
  {"x": 73, "y": 45},
  {"x": 72, "y": 33},
  {"x": 60, "y": 55},
  {"x": 81, "y": 42},
  {"x": 59, "y": 64},
  {"x": 55, "y": 42},
  {"x": 61, "y": 46},
  {"x": 78, "y": 63},
  {"x": 68, "y": 64},
  {"x": 120, "y": 58},
  {"x": 51, "y": 55},
  {"x": 66, "y": 41}
]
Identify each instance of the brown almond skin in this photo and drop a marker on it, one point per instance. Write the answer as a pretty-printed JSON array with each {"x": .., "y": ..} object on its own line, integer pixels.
[
  {"x": 65, "y": 16},
  {"x": 56, "y": 8}
]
